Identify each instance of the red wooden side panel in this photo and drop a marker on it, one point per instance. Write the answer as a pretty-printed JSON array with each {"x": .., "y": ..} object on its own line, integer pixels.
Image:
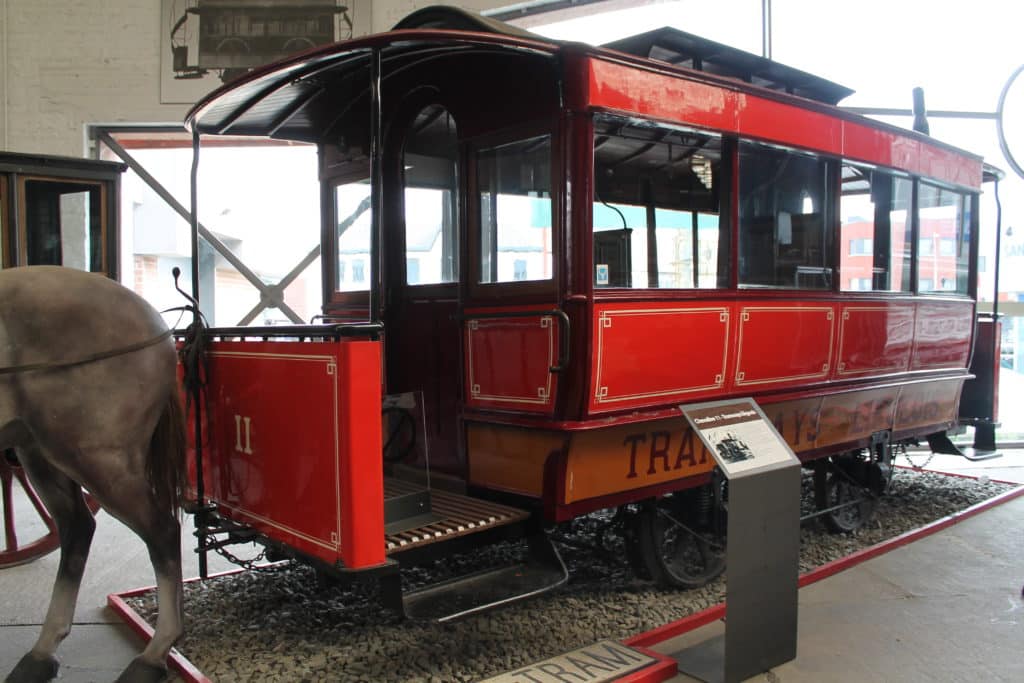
[
  {"x": 875, "y": 339},
  {"x": 617, "y": 86},
  {"x": 662, "y": 353},
  {"x": 293, "y": 444},
  {"x": 658, "y": 353},
  {"x": 361, "y": 483},
  {"x": 509, "y": 360},
  {"x": 783, "y": 345},
  {"x": 883, "y": 147},
  {"x": 770, "y": 120},
  {"x": 942, "y": 335}
]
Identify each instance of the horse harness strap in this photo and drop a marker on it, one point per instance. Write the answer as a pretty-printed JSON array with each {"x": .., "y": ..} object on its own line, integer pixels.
[{"x": 58, "y": 365}]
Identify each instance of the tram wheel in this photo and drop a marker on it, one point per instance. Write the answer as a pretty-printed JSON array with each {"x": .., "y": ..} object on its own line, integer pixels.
[
  {"x": 837, "y": 486},
  {"x": 672, "y": 546},
  {"x": 25, "y": 515}
]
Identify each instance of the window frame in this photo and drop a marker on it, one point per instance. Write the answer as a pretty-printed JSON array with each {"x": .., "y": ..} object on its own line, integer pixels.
[
  {"x": 911, "y": 222},
  {"x": 104, "y": 216},
  {"x": 394, "y": 173},
  {"x": 969, "y": 222},
  {"x": 333, "y": 297},
  {"x": 829, "y": 209},
  {"x": 728, "y": 146},
  {"x": 512, "y": 290}
]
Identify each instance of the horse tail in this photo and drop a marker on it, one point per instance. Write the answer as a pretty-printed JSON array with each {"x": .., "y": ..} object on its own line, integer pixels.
[{"x": 165, "y": 468}]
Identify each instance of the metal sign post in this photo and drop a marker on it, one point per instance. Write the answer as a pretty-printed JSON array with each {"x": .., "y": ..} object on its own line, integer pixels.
[{"x": 762, "y": 559}]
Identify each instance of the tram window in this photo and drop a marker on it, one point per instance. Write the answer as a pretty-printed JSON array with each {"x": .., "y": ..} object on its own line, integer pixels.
[
  {"x": 64, "y": 224},
  {"x": 655, "y": 211},
  {"x": 431, "y": 199},
  {"x": 785, "y": 228},
  {"x": 944, "y": 225},
  {"x": 352, "y": 216},
  {"x": 514, "y": 182},
  {"x": 874, "y": 233}
]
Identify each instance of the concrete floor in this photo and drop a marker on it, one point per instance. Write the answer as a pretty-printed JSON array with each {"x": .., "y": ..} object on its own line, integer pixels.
[
  {"x": 99, "y": 645},
  {"x": 946, "y": 608}
]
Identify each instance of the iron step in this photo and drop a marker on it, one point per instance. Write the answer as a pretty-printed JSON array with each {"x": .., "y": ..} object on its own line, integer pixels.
[
  {"x": 940, "y": 443},
  {"x": 459, "y": 597}
]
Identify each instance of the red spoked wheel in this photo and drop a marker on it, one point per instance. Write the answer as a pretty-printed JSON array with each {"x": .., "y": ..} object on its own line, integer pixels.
[{"x": 29, "y": 530}]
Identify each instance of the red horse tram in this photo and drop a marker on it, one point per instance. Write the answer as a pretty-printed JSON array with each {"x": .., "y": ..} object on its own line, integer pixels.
[{"x": 533, "y": 252}]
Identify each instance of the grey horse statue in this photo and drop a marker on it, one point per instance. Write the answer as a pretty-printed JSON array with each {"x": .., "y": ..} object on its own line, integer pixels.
[{"x": 89, "y": 398}]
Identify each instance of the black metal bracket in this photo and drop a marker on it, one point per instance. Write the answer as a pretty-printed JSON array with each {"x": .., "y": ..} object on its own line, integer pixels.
[{"x": 302, "y": 332}]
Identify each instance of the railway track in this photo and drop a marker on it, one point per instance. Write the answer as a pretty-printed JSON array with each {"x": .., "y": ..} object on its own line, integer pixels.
[{"x": 278, "y": 625}]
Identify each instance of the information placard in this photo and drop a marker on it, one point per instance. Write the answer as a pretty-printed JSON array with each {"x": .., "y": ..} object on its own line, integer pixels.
[
  {"x": 763, "y": 552},
  {"x": 740, "y": 437}
]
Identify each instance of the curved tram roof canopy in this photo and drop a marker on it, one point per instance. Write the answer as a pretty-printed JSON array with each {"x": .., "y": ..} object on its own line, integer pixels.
[{"x": 298, "y": 98}]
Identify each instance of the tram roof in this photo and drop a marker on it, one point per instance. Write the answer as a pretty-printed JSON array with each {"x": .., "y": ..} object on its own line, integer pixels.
[
  {"x": 682, "y": 49},
  {"x": 271, "y": 100},
  {"x": 292, "y": 98},
  {"x": 274, "y": 100}
]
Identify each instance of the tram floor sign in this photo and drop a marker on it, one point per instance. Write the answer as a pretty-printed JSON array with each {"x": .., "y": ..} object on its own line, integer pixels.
[{"x": 762, "y": 557}]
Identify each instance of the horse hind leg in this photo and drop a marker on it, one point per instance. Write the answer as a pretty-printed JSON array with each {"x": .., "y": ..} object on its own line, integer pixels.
[
  {"x": 155, "y": 522},
  {"x": 164, "y": 544},
  {"x": 75, "y": 527}
]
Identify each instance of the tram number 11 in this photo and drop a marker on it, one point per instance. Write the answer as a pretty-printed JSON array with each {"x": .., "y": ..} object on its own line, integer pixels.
[{"x": 247, "y": 421}]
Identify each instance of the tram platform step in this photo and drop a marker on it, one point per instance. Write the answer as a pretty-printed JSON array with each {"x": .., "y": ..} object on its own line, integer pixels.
[
  {"x": 439, "y": 516},
  {"x": 940, "y": 443},
  {"x": 481, "y": 591}
]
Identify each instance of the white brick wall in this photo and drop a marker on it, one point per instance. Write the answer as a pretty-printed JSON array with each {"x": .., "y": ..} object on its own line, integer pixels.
[
  {"x": 72, "y": 62},
  {"x": 68, "y": 63}
]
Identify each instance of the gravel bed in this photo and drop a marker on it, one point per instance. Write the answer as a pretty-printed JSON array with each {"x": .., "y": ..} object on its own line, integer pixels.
[{"x": 278, "y": 625}]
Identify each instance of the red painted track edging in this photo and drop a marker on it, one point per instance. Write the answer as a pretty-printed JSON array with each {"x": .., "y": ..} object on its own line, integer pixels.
[
  {"x": 665, "y": 669},
  {"x": 176, "y": 661}
]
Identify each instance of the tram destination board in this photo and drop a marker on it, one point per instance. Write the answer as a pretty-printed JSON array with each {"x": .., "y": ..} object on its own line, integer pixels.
[{"x": 740, "y": 437}]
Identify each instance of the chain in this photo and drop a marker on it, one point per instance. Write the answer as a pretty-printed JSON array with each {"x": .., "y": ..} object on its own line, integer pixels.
[
  {"x": 914, "y": 466},
  {"x": 250, "y": 565}
]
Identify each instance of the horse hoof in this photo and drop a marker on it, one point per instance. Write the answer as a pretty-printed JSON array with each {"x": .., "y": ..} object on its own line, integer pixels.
[
  {"x": 142, "y": 672},
  {"x": 33, "y": 669}
]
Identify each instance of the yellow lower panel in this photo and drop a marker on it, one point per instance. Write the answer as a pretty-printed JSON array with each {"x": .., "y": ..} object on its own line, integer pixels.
[
  {"x": 510, "y": 458},
  {"x": 616, "y": 459}
]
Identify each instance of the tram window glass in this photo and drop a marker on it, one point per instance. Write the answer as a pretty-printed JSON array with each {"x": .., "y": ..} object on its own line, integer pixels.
[
  {"x": 874, "y": 233},
  {"x": 655, "y": 211},
  {"x": 352, "y": 215},
  {"x": 785, "y": 230},
  {"x": 431, "y": 196},
  {"x": 64, "y": 224},
  {"x": 944, "y": 220},
  {"x": 514, "y": 183}
]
